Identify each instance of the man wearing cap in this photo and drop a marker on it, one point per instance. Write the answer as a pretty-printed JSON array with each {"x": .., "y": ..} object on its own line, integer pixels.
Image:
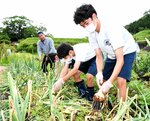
[{"x": 46, "y": 46}]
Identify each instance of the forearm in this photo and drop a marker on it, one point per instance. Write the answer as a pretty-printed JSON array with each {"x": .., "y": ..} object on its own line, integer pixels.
[
  {"x": 99, "y": 63},
  {"x": 117, "y": 69},
  {"x": 39, "y": 50},
  {"x": 119, "y": 64},
  {"x": 40, "y": 56},
  {"x": 64, "y": 71},
  {"x": 70, "y": 74}
]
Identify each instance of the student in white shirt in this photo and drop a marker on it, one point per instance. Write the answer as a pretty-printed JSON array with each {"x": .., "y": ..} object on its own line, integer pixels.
[
  {"x": 80, "y": 57},
  {"x": 112, "y": 39}
]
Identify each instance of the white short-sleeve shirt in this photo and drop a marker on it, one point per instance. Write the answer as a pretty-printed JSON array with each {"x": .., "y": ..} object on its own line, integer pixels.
[
  {"x": 112, "y": 37},
  {"x": 83, "y": 52}
]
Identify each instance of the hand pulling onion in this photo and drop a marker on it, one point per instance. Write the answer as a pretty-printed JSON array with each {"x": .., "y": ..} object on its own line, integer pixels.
[{"x": 99, "y": 96}]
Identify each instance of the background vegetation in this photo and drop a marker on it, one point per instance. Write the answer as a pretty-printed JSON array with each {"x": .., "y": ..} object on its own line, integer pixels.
[{"x": 141, "y": 24}]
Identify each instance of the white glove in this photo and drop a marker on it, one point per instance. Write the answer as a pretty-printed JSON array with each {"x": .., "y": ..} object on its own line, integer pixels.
[
  {"x": 68, "y": 61},
  {"x": 58, "y": 85},
  {"x": 99, "y": 79},
  {"x": 106, "y": 86}
]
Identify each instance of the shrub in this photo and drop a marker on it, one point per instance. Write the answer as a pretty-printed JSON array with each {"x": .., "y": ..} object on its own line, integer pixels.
[
  {"x": 142, "y": 35},
  {"x": 142, "y": 64},
  {"x": 4, "y": 39},
  {"x": 28, "y": 45}
]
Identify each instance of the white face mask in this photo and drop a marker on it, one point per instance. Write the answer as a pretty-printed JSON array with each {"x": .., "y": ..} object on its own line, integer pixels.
[
  {"x": 91, "y": 28},
  {"x": 70, "y": 58}
]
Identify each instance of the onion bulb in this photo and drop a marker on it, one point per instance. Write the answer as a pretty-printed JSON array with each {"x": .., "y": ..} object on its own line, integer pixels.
[{"x": 99, "y": 96}]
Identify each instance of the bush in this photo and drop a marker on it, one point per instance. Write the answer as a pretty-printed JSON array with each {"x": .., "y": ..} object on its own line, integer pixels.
[
  {"x": 140, "y": 36},
  {"x": 142, "y": 65},
  {"x": 28, "y": 45},
  {"x": 4, "y": 39}
]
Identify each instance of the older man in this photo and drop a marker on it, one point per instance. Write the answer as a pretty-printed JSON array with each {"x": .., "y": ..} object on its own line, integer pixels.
[{"x": 46, "y": 46}]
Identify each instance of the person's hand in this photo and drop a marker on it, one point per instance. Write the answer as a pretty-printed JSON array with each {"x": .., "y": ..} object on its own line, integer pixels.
[
  {"x": 40, "y": 59},
  {"x": 106, "y": 86},
  {"x": 68, "y": 61},
  {"x": 99, "y": 79},
  {"x": 46, "y": 58},
  {"x": 99, "y": 96},
  {"x": 58, "y": 85}
]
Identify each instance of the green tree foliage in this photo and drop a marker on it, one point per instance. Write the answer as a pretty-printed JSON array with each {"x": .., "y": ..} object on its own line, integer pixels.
[
  {"x": 141, "y": 24},
  {"x": 4, "y": 37},
  {"x": 42, "y": 28},
  {"x": 18, "y": 27}
]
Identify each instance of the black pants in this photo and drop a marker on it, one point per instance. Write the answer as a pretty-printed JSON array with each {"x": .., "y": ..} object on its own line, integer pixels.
[{"x": 50, "y": 59}]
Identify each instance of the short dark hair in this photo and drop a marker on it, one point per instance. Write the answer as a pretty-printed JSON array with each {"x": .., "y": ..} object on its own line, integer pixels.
[
  {"x": 40, "y": 33},
  {"x": 63, "y": 50},
  {"x": 83, "y": 12}
]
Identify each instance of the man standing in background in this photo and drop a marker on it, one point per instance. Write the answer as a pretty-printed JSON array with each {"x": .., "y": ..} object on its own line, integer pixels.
[{"x": 46, "y": 46}]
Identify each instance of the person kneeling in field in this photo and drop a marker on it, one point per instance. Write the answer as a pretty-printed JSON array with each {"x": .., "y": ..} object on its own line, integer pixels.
[{"x": 81, "y": 58}]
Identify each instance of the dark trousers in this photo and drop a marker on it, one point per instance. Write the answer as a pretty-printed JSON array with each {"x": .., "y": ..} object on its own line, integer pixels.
[{"x": 50, "y": 59}]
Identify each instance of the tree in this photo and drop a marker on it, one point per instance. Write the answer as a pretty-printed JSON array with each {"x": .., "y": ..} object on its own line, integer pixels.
[
  {"x": 3, "y": 37},
  {"x": 19, "y": 27},
  {"x": 1, "y": 30},
  {"x": 141, "y": 24},
  {"x": 42, "y": 28},
  {"x": 147, "y": 12}
]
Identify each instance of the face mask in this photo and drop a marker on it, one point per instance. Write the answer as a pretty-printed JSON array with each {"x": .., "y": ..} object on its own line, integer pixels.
[
  {"x": 91, "y": 28},
  {"x": 69, "y": 59}
]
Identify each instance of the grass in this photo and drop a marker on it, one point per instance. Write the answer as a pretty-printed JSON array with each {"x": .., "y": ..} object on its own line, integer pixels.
[
  {"x": 66, "y": 105},
  {"x": 140, "y": 36},
  {"x": 42, "y": 105}
]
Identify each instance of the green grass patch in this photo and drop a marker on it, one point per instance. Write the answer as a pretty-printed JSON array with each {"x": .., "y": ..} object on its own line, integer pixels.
[{"x": 140, "y": 36}]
